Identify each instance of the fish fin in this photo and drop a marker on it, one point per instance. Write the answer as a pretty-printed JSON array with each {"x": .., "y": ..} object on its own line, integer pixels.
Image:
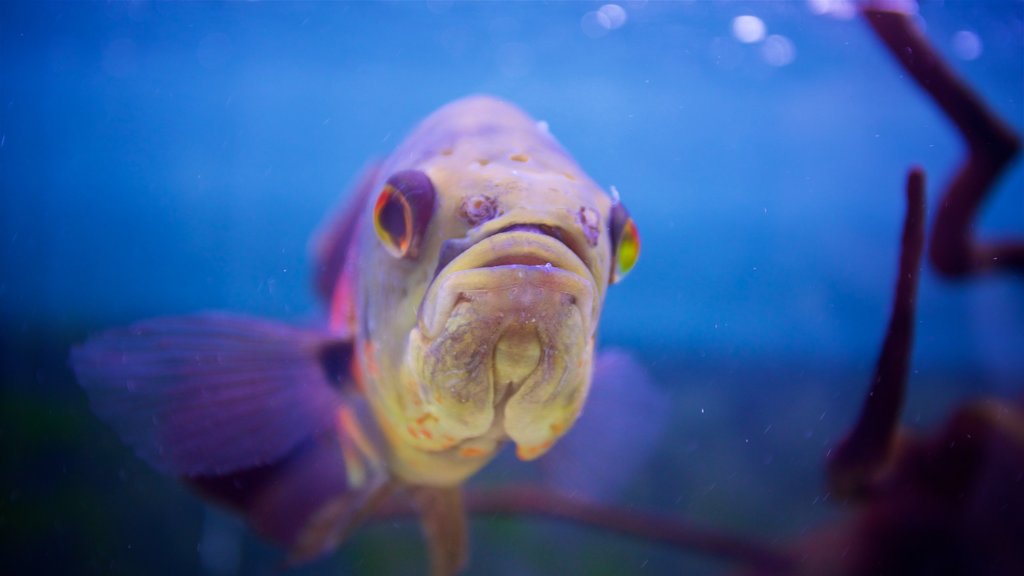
[
  {"x": 331, "y": 243},
  {"x": 213, "y": 393},
  {"x": 624, "y": 416},
  {"x": 443, "y": 519},
  {"x": 335, "y": 521},
  {"x": 311, "y": 500},
  {"x": 366, "y": 479}
]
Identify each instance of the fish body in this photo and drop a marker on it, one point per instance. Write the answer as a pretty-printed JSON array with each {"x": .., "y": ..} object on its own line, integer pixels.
[{"x": 465, "y": 283}]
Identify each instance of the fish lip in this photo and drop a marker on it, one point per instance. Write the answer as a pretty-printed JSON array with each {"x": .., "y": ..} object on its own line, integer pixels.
[
  {"x": 455, "y": 247},
  {"x": 520, "y": 248}
]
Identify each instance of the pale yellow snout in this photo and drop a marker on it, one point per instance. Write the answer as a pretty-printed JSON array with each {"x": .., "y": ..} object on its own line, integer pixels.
[{"x": 504, "y": 341}]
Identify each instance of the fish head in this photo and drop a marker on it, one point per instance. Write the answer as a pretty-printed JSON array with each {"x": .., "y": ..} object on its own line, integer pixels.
[{"x": 483, "y": 320}]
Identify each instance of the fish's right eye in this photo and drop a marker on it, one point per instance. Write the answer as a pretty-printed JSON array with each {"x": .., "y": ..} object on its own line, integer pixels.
[{"x": 403, "y": 211}]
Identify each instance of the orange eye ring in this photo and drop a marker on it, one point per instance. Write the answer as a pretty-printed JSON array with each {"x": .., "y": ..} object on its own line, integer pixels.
[
  {"x": 402, "y": 212},
  {"x": 392, "y": 219},
  {"x": 625, "y": 242}
]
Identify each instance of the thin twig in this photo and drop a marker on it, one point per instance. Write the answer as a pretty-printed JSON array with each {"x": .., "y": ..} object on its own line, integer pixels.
[
  {"x": 544, "y": 503},
  {"x": 991, "y": 144}
]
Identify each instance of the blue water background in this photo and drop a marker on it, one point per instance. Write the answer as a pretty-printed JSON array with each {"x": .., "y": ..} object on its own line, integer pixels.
[{"x": 159, "y": 159}]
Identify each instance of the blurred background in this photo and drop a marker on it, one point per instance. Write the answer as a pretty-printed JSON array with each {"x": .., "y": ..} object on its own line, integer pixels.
[{"x": 159, "y": 159}]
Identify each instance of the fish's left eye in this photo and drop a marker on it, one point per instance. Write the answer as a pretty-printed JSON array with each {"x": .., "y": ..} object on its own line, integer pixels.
[
  {"x": 402, "y": 212},
  {"x": 625, "y": 242}
]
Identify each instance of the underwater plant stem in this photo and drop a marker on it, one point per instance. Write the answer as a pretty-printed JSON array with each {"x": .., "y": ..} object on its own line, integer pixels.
[
  {"x": 546, "y": 503},
  {"x": 866, "y": 450},
  {"x": 991, "y": 144}
]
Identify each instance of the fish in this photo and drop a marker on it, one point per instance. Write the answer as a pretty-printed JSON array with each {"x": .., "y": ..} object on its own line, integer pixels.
[{"x": 464, "y": 283}]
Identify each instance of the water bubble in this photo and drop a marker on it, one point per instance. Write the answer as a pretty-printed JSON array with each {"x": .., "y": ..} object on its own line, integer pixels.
[
  {"x": 615, "y": 14},
  {"x": 778, "y": 50},
  {"x": 599, "y": 22},
  {"x": 967, "y": 45},
  {"x": 839, "y": 9},
  {"x": 748, "y": 29}
]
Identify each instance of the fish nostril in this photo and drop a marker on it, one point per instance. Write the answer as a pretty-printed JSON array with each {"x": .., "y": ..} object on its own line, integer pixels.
[
  {"x": 478, "y": 209},
  {"x": 590, "y": 223}
]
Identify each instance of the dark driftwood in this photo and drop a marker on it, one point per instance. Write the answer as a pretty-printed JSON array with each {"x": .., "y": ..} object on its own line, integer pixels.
[
  {"x": 991, "y": 146},
  {"x": 868, "y": 447},
  {"x": 547, "y": 504}
]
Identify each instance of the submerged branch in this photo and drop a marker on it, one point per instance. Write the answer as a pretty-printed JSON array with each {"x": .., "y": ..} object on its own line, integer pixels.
[
  {"x": 867, "y": 449},
  {"x": 991, "y": 143},
  {"x": 548, "y": 504}
]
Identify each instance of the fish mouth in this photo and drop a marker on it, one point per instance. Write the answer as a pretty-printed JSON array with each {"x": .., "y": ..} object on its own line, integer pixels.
[
  {"x": 503, "y": 343},
  {"x": 453, "y": 248},
  {"x": 521, "y": 256}
]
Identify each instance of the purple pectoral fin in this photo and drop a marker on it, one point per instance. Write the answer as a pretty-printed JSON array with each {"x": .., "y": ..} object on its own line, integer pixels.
[
  {"x": 305, "y": 502},
  {"x": 211, "y": 393},
  {"x": 615, "y": 436}
]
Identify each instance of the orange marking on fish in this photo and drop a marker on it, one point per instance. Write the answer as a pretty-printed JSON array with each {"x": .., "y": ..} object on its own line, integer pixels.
[
  {"x": 531, "y": 452},
  {"x": 472, "y": 452},
  {"x": 343, "y": 311},
  {"x": 355, "y": 368},
  {"x": 370, "y": 359},
  {"x": 412, "y": 431}
]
